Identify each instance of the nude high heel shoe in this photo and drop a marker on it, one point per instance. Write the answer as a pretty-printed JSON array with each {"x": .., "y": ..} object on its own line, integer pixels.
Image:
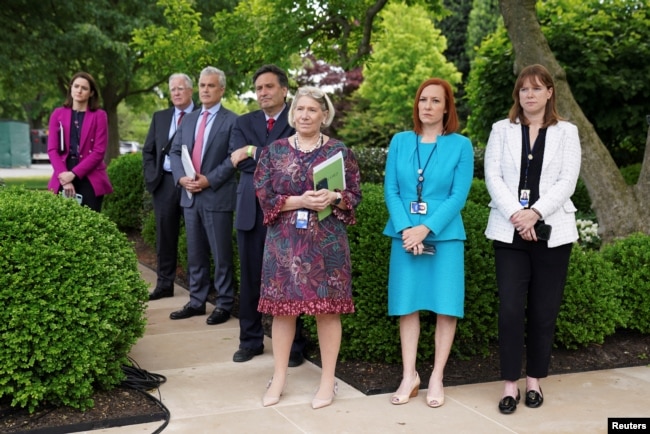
[
  {"x": 267, "y": 400},
  {"x": 317, "y": 403},
  {"x": 435, "y": 401},
  {"x": 403, "y": 399}
]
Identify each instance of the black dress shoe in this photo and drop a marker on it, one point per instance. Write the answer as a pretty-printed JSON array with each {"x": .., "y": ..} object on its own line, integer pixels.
[
  {"x": 508, "y": 405},
  {"x": 245, "y": 354},
  {"x": 534, "y": 398},
  {"x": 187, "y": 312},
  {"x": 159, "y": 293},
  {"x": 218, "y": 316},
  {"x": 295, "y": 359}
]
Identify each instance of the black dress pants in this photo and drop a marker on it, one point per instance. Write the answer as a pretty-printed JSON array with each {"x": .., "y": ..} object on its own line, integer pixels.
[{"x": 531, "y": 278}]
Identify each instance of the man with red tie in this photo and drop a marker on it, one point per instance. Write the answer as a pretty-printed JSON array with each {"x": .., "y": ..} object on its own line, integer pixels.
[
  {"x": 250, "y": 134},
  {"x": 208, "y": 209},
  {"x": 160, "y": 182}
]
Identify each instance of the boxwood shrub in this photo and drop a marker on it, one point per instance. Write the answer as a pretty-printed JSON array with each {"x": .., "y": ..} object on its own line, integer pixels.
[
  {"x": 630, "y": 257},
  {"x": 591, "y": 308},
  {"x": 73, "y": 300},
  {"x": 125, "y": 205}
]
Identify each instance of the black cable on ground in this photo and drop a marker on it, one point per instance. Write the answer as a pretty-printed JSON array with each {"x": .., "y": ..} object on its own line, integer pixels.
[{"x": 144, "y": 381}]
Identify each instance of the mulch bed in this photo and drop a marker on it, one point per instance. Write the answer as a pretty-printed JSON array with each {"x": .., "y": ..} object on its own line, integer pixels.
[{"x": 126, "y": 406}]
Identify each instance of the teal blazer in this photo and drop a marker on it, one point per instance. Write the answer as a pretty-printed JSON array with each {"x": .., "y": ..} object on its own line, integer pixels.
[{"x": 447, "y": 180}]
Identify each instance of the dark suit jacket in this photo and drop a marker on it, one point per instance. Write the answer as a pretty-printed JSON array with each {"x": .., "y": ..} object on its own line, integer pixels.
[
  {"x": 216, "y": 165},
  {"x": 152, "y": 155},
  {"x": 92, "y": 148},
  {"x": 250, "y": 129}
]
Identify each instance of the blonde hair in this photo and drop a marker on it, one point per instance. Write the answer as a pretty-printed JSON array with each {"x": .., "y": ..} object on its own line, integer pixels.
[{"x": 317, "y": 95}]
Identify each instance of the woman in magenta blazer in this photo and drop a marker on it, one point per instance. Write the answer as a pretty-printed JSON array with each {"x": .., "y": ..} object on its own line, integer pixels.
[{"x": 78, "y": 136}]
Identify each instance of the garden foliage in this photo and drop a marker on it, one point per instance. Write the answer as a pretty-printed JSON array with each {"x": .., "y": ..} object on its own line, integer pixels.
[
  {"x": 73, "y": 300},
  {"x": 124, "y": 205}
]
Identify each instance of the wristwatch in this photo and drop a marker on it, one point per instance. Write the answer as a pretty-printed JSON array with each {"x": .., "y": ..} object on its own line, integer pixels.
[{"x": 338, "y": 199}]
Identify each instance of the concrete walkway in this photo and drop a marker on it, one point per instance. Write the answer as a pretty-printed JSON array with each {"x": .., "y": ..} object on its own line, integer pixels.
[{"x": 208, "y": 393}]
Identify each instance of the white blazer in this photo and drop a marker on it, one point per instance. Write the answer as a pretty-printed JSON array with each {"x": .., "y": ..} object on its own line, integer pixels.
[{"x": 560, "y": 171}]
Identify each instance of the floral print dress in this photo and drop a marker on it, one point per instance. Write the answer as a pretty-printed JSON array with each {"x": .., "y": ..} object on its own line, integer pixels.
[{"x": 304, "y": 270}]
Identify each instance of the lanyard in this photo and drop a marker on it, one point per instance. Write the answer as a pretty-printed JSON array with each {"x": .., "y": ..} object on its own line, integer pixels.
[
  {"x": 420, "y": 168},
  {"x": 529, "y": 153}
]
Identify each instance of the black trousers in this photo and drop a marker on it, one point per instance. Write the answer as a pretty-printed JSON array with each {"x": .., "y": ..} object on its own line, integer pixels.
[
  {"x": 251, "y": 253},
  {"x": 84, "y": 188},
  {"x": 168, "y": 213},
  {"x": 531, "y": 278}
]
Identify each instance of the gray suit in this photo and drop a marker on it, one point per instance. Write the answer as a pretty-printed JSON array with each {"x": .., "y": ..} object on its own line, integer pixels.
[{"x": 209, "y": 214}]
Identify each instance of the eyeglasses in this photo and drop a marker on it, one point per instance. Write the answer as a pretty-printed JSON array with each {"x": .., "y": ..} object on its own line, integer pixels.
[{"x": 177, "y": 89}]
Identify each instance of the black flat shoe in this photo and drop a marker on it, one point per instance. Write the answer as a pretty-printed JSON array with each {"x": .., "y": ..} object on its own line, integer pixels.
[
  {"x": 534, "y": 398},
  {"x": 508, "y": 405},
  {"x": 245, "y": 354}
]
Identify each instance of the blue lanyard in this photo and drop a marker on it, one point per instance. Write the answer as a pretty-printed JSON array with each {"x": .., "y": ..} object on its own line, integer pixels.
[{"x": 529, "y": 153}]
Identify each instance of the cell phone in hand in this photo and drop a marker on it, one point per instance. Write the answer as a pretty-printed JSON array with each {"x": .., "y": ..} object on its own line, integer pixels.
[{"x": 428, "y": 249}]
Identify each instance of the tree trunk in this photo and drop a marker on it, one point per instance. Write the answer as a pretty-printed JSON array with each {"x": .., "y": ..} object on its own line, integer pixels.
[
  {"x": 110, "y": 103},
  {"x": 617, "y": 205}
]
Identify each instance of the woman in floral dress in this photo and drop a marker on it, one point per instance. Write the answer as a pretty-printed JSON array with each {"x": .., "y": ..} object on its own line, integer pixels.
[{"x": 306, "y": 266}]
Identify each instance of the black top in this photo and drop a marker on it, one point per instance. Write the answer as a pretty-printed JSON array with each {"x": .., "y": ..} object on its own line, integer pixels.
[{"x": 531, "y": 169}]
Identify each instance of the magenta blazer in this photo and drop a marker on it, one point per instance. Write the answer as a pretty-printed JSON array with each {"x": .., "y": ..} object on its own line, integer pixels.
[{"x": 92, "y": 148}]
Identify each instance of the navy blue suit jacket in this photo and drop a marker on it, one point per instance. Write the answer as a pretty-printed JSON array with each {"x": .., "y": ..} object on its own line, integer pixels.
[{"x": 250, "y": 129}]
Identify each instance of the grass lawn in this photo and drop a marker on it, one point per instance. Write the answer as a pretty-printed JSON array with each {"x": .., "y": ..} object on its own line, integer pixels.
[{"x": 35, "y": 183}]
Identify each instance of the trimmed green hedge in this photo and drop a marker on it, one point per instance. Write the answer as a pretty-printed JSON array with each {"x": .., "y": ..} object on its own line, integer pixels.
[
  {"x": 73, "y": 300},
  {"x": 125, "y": 205}
]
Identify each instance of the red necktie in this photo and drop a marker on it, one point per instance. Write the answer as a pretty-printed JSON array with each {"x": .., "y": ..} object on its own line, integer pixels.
[
  {"x": 269, "y": 124},
  {"x": 180, "y": 118},
  {"x": 198, "y": 143}
]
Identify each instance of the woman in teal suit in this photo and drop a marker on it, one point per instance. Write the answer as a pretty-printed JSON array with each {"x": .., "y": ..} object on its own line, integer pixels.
[{"x": 428, "y": 175}]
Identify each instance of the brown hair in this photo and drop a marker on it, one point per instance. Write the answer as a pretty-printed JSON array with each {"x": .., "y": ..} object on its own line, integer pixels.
[
  {"x": 93, "y": 101},
  {"x": 536, "y": 74},
  {"x": 449, "y": 119}
]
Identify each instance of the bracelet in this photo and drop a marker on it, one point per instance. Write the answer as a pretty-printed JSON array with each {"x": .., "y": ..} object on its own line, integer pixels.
[
  {"x": 249, "y": 151},
  {"x": 537, "y": 212}
]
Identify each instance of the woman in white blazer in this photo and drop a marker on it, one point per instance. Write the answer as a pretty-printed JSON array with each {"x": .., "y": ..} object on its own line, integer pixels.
[{"x": 532, "y": 164}]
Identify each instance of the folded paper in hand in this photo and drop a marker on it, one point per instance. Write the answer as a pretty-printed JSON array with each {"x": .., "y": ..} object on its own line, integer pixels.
[
  {"x": 188, "y": 167},
  {"x": 332, "y": 170},
  {"x": 61, "y": 139}
]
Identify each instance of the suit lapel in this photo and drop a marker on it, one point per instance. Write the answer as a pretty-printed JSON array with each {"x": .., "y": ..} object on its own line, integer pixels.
[{"x": 513, "y": 143}]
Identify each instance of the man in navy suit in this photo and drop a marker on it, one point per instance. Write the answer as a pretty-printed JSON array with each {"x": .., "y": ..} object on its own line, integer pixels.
[
  {"x": 250, "y": 134},
  {"x": 160, "y": 182},
  {"x": 208, "y": 198}
]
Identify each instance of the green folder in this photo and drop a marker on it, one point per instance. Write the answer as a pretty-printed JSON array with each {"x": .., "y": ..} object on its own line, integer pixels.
[{"x": 330, "y": 174}]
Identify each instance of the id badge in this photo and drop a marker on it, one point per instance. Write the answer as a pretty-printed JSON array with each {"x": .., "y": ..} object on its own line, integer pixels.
[
  {"x": 524, "y": 196},
  {"x": 418, "y": 208},
  {"x": 302, "y": 218}
]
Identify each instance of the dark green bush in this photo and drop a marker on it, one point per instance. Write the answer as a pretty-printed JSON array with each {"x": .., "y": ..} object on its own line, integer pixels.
[
  {"x": 479, "y": 195},
  {"x": 125, "y": 205},
  {"x": 631, "y": 173},
  {"x": 631, "y": 258},
  {"x": 479, "y": 327},
  {"x": 73, "y": 300},
  {"x": 372, "y": 164},
  {"x": 591, "y": 309}
]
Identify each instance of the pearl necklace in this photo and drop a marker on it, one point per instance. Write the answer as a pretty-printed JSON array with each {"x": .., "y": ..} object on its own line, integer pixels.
[{"x": 319, "y": 143}]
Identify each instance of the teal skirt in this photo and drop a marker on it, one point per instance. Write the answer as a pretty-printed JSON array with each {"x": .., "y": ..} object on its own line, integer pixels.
[{"x": 427, "y": 282}]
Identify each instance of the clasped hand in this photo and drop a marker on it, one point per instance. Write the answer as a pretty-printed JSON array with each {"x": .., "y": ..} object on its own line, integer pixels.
[
  {"x": 524, "y": 222},
  {"x": 412, "y": 239},
  {"x": 317, "y": 200},
  {"x": 196, "y": 185}
]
